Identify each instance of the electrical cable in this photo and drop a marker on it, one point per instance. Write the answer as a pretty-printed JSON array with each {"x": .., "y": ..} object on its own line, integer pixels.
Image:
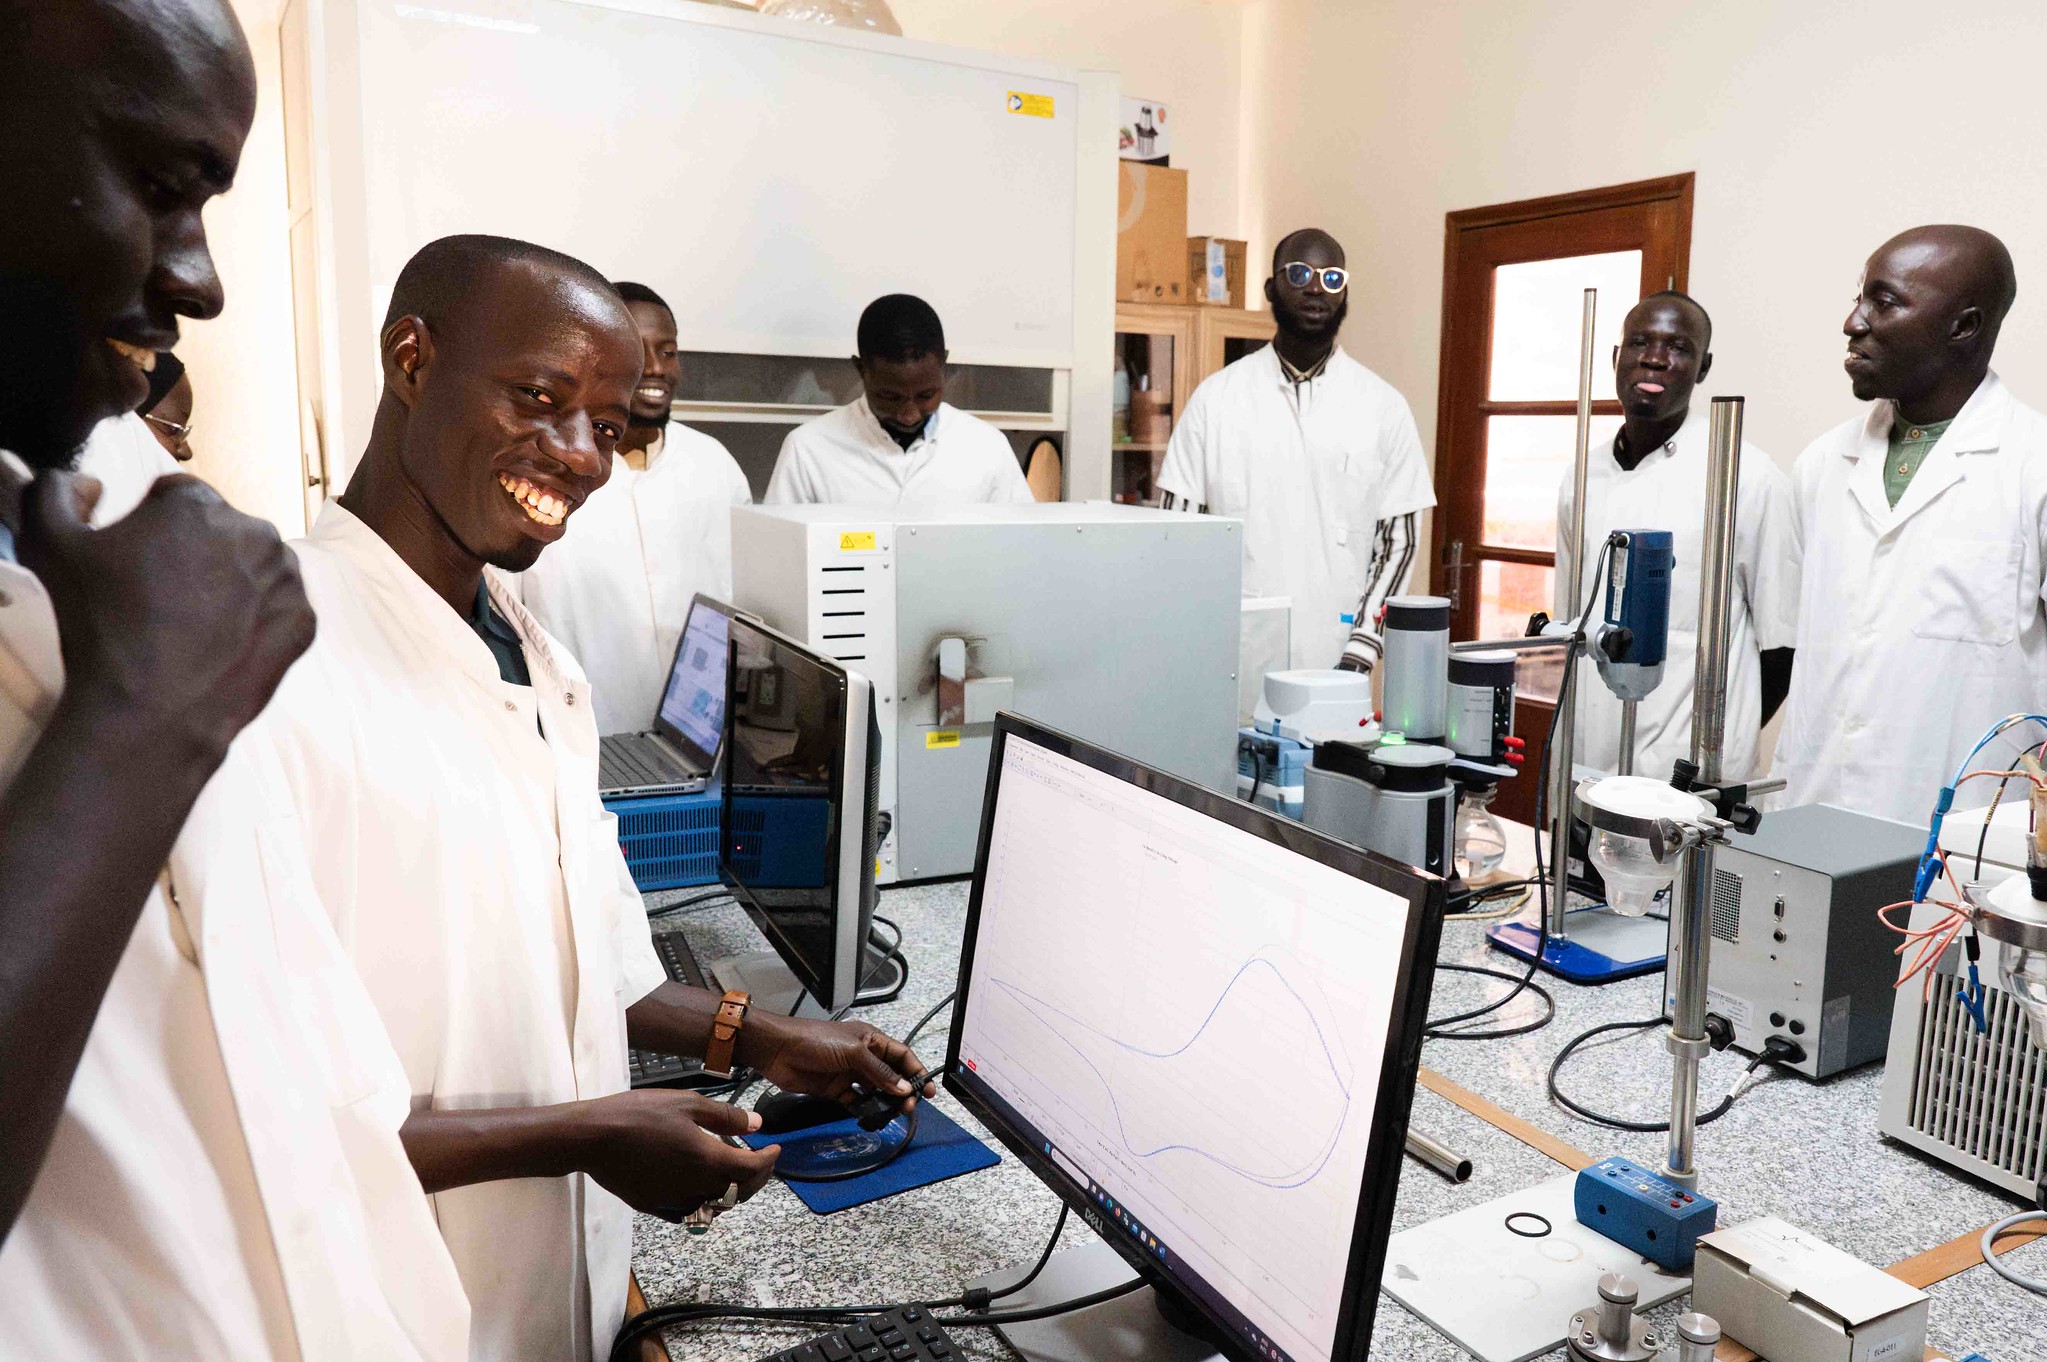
[
  {"x": 690, "y": 904},
  {"x": 936, "y": 1008},
  {"x": 1435, "y": 1029},
  {"x": 1036, "y": 1312},
  {"x": 895, "y": 1151},
  {"x": 1774, "y": 1050},
  {"x": 1989, "y": 1247},
  {"x": 1058, "y": 1227}
]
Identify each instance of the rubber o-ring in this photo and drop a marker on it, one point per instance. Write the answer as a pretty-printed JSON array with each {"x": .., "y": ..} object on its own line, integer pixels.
[{"x": 1529, "y": 1234}]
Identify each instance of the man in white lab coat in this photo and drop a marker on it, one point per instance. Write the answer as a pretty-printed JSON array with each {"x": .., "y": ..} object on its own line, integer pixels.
[
  {"x": 616, "y": 589},
  {"x": 442, "y": 748},
  {"x": 1654, "y": 478},
  {"x": 198, "y": 1153},
  {"x": 901, "y": 443},
  {"x": 1924, "y": 520},
  {"x": 1317, "y": 455}
]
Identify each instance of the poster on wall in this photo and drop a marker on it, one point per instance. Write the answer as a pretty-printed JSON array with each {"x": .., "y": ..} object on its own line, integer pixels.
[{"x": 1143, "y": 135}]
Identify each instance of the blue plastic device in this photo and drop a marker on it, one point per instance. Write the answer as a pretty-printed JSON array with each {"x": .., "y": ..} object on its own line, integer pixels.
[
  {"x": 1275, "y": 767},
  {"x": 1631, "y": 644},
  {"x": 1643, "y": 1211},
  {"x": 669, "y": 841}
]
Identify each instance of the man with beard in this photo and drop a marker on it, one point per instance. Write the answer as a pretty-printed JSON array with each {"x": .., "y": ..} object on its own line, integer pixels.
[
  {"x": 900, "y": 443},
  {"x": 1653, "y": 477},
  {"x": 1921, "y": 619},
  {"x": 1317, "y": 455},
  {"x": 617, "y": 588},
  {"x": 199, "y": 1111}
]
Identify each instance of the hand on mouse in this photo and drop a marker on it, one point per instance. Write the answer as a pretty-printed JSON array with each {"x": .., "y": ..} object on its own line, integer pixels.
[
  {"x": 660, "y": 1151},
  {"x": 832, "y": 1059}
]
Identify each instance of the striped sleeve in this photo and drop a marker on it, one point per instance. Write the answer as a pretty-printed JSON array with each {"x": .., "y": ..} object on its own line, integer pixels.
[{"x": 1392, "y": 564}]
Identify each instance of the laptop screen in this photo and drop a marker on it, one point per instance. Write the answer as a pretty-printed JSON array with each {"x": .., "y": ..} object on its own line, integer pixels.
[{"x": 693, "y": 706}]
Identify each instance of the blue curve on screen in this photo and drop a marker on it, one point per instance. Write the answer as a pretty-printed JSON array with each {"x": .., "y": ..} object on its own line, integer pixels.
[{"x": 1280, "y": 1181}]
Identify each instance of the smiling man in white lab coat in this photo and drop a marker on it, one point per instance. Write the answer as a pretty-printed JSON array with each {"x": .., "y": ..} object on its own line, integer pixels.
[
  {"x": 616, "y": 589},
  {"x": 1317, "y": 455},
  {"x": 201, "y": 1109},
  {"x": 443, "y": 756},
  {"x": 1924, "y": 521},
  {"x": 901, "y": 443},
  {"x": 1653, "y": 477}
]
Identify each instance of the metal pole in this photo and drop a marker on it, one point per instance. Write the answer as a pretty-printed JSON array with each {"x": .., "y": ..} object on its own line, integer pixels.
[
  {"x": 1626, "y": 765},
  {"x": 1686, "y": 971},
  {"x": 1438, "y": 1156},
  {"x": 1571, "y": 592}
]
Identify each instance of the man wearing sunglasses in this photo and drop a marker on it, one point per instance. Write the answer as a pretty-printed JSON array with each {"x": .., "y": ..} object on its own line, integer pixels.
[{"x": 1317, "y": 455}]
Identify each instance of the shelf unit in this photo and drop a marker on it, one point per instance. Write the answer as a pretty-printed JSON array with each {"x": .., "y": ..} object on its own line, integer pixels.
[{"x": 1162, "y": 353}]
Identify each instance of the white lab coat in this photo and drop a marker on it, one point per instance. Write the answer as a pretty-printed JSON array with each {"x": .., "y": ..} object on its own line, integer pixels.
[
  {"x": 226, "y": 1180},
  {"x": 616, "y": 588},
  {"x": 477, "y": 882},
  {"x": 1311, "y": 471},
  {"x": 845, "y": 458},
  {"x": 1919, "y": 626},
  {"x": 1667, "y": 491}
]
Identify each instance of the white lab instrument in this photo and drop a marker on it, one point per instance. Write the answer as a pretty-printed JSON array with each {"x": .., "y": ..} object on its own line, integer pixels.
[
  {"x": 1116, "y": 624},
  {"x": 1316, "y": 706}
]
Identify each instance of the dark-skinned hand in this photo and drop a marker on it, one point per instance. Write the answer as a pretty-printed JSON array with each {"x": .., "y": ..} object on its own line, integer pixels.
[
  {"x": 184, "y": 615},
  {"x": 659, "y": 1150},
  {"x": 827, "y": 1059}
]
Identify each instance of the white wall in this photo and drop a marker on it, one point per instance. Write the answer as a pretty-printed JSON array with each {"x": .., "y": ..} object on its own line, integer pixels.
[
  {"x": 1184, "y": 53},
  {"x": 1817, "y": 129},
  {"x": 244, "y": 383}
]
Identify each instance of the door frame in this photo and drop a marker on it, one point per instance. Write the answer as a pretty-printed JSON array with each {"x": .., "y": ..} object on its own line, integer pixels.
[{"x": 1674, "y": 189}]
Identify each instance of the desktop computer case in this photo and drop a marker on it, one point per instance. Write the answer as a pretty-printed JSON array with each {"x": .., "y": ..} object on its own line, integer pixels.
[{"x": 1117, "y": 624}]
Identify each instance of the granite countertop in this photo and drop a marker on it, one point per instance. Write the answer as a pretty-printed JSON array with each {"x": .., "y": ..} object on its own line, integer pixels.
[{"x": 1808, "y": 1152}]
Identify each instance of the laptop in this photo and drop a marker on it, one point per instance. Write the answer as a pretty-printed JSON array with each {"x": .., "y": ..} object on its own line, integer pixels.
[{"x": 679, "y": 754}]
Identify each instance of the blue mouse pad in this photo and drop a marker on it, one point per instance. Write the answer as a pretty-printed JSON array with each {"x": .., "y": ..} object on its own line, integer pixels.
[{"x": 942, "y": 1150}]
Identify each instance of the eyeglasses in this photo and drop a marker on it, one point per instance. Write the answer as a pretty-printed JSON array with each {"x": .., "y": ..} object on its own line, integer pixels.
[
  {"x": 170, "y": 428},
  {"x": 1333, "y": 277}
]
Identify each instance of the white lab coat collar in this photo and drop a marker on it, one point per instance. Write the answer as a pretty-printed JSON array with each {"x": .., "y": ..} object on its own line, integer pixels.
[
  {"x": 876, "y": 434},
  {"x": 1978, "y": 428},
  {"x": 1275, "y": 373},
  {"x": 447, "y": 632}
]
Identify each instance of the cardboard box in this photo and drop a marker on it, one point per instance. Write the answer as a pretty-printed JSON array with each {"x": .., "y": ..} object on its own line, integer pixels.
[
  {"x": 1151, "y": 234},
  {"x": 1215, "y": 271},
  {"x": 1783, "y": 1293}
]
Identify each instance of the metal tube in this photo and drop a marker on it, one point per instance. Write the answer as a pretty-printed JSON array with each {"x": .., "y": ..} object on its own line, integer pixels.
[
  {"x": 1571, "y": 592},
  {"x": 1685, "y": 972},
  {"x": 1438, "y": 1156},
  {"x": 1625, "y": 766}
]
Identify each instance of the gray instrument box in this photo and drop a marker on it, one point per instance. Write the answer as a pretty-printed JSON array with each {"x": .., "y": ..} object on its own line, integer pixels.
[
  {"x": 1116, "y": 624},
  {"x": 1797, "y": 948}
]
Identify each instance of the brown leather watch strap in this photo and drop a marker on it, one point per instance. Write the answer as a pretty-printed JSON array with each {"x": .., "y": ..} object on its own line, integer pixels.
[{"x": 725, "y": 1033}]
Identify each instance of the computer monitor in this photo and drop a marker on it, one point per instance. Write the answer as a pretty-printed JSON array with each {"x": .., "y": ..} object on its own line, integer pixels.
[
  {"x": 692, "y": 712},
  {"x": 1200, "y": 1024},
  {"x": 802, "y": 775}
]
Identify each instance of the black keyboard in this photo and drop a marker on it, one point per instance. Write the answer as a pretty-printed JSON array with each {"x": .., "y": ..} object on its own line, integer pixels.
[
  {"x": 902, "y": 1335},
  {"x": 650, "y": 1070}
]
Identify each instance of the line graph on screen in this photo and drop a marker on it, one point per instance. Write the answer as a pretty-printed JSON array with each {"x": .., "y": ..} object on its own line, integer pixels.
[{"x": 1164, "y": 1096}]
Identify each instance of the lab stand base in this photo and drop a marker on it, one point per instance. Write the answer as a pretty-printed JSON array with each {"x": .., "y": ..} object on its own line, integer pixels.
[
  {"x": 1600, "y": 948},
  {"x": 1505, "y": 1298},
  {"x": 1127, "y": 1329}
]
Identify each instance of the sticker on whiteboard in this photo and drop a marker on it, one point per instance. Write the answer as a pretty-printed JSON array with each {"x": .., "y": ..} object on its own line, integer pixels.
[
  {"x": 856, "y": 541},
  {"x": 942, "y": 737},
  {"x": 1030, "y": 106}
]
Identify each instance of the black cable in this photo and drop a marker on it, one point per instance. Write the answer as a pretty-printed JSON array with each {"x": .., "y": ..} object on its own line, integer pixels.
[
  {"x": 1058, "y": 1227},
  {"x": 1983, "y": 837},
  {"x": 1614, "y": 1122},
  {"x": 1042, "y": 1311},
  {"x": 1486, "y": 894},
  {"x": 938, "y": 1007},
  {"x": 892, "y": 947},
  {"x": 1435, "y": 1031},
  {"x": 895, "y": 1151},
  {"x": 685, "y": 905}
]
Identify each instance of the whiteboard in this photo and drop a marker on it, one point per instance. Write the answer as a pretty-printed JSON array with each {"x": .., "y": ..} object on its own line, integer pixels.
[{"x": 768, "y": 178}]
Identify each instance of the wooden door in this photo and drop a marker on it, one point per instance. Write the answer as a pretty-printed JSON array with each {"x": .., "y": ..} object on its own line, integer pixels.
[{"x": 1513, "y": 282}]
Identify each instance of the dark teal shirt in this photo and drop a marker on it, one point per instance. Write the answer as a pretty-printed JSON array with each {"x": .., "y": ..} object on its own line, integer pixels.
[{"x": 501, "y": 638}]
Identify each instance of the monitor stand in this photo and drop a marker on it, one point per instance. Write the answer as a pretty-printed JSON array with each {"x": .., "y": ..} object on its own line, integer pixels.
[
  {"x": 1131, "y": 1328},
  {"x": 775, "y": 987}
]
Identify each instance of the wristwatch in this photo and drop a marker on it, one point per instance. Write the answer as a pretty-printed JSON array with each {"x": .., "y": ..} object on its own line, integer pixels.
[{"x": 725, "y": 1033}]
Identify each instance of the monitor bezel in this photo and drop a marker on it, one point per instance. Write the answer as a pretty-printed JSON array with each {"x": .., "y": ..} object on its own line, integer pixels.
[
  {"x": 1401, "y": 1063},
  {"x": 851, "y": 914},
  {"x": 705, "y": 761}
]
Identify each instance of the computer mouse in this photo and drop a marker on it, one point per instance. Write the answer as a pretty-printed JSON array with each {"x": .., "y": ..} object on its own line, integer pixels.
[{"x": 782, "y": 1112}]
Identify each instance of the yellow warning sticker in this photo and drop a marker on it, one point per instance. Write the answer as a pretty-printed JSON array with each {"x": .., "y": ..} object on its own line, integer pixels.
[
  {"x": 1030, "y": 106},
  {"x": 942, "y": 737},
  {"x": 856, "y": 541}
]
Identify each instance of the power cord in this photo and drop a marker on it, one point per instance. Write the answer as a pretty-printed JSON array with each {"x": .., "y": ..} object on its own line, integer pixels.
[
  {"x": 1438, "y": 1030},
  {"x": 1989, "y": 1247},
  {"x": 936, "y": 1008},
  {"x": 1776, "y": 1050},
  {"x": 694, "y": 903}
]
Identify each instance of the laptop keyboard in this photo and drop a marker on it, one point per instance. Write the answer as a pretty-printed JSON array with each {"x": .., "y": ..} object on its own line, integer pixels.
[
  {"x": 650, "y": 1070},
  {"x": 628, "y": 760}
]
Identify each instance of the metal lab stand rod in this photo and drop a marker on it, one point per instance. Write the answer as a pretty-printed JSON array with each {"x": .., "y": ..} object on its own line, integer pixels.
[
  {"x": 1686, "y": 972},
  {"x": 1561, "y": 766}
]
